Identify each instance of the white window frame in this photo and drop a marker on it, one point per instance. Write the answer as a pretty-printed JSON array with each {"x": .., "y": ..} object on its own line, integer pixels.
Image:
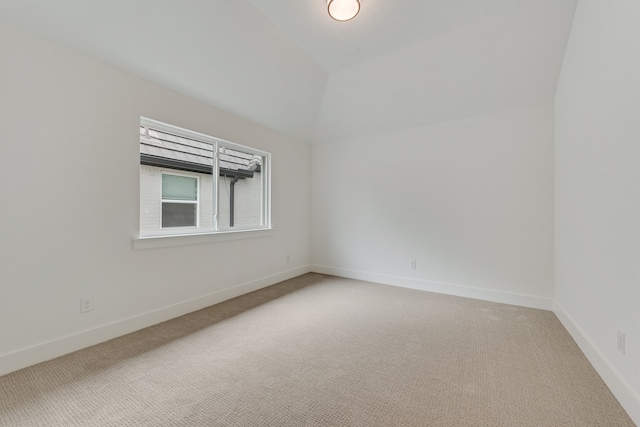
[
  {"x": 177, "y": 236},
  {"x": 190, "y": 202}
]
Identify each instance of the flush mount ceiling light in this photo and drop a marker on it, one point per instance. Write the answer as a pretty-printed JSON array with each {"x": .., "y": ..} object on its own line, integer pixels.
[{"x": 343, "y": 10}]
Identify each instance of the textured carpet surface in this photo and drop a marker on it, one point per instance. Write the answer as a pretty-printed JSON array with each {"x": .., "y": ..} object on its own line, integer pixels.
[{"x": 324, "y": 351}]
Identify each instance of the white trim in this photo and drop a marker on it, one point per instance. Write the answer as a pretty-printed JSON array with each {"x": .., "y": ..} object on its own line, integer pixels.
[
  {"x": 22, "y": 358},
  {"x": 629, "y": 400},
  {"x": 266, "y": 189},
  {"x": 215, "y": 188},
  {"x": 195, "y": 238},
  {"x": 522, "y": 300}
]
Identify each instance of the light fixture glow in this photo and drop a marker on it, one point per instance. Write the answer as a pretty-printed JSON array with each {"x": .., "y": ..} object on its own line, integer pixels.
[{"x": 343, "y": 10}]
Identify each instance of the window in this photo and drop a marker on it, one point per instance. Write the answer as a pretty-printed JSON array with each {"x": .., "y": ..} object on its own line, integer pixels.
[
  {"x": 179, "y": 201},
  {"x": 195, "y": 183}
]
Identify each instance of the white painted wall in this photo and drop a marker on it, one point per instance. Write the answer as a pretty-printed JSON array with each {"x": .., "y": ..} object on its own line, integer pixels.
[
  {"x": 69, "y": 127},
  {"x": 598, "y": 191},
  {"x": 470, "y": 200}
]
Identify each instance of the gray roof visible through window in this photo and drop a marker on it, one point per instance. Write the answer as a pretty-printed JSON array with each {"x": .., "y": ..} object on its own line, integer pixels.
[{"x": 165, "y": 146}]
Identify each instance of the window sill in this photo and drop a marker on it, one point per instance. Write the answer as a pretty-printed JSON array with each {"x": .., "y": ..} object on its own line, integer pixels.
[{"x": 165, "y": 241}]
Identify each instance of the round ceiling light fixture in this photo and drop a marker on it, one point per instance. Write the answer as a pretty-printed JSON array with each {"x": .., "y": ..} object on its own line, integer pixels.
[{"x": 343, "y": 10}]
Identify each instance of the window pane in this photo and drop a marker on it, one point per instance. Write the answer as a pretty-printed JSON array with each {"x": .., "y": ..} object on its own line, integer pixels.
[
  {"x": 240, "y": 189},
  {"x": 178, "y": 214},
  {"x": 176, "y": 187}
]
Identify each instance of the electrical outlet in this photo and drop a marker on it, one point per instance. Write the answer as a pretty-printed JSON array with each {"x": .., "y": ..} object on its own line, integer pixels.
[
  {"x": 86, "y": 304},
  {"x": 413, "y": 264},
  {"x": 287, "y": 259},
  {"x": 621, "y": 342}
]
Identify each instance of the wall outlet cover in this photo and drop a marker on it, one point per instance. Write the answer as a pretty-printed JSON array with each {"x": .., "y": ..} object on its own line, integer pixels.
[
  {"x": 621, "y": 343},
  {"x": 86, "y": 304}
]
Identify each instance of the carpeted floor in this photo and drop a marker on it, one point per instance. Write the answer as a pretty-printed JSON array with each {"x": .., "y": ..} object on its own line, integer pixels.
[{"x": 324, "y": 351}]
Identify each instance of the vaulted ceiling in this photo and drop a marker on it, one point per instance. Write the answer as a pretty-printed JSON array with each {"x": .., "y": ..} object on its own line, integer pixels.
[{"x": 286, "y": 65}]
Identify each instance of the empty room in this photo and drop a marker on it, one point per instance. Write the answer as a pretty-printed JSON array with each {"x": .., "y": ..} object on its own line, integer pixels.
[{"x": 320, "y": 213}]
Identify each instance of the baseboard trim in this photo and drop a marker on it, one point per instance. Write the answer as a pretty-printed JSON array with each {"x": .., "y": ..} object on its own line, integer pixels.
[
  {"x": 42, "y": 352},
  {"x": 441, "y": 288},
  {"x": 629, "y": 400}
]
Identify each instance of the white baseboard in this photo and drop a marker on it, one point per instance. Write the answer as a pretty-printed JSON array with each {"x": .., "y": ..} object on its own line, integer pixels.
[
  {"x": 441, "y": 288},
  {"x": 629, "y": 400},
  {"x": 22, "y": 358}
]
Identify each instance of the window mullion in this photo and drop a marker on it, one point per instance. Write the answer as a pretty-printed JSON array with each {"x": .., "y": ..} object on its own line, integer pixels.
[{"x": 216, "y": 178}]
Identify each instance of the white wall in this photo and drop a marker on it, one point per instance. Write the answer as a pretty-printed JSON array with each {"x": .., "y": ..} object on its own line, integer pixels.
[
  {"x": 598, "y": 191},
  {"x": 470, "y": 200},
  {"x": 70, "y": 205}
]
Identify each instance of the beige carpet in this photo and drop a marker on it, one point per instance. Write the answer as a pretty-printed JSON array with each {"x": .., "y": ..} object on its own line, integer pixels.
[{"x": 324, "y": 351}]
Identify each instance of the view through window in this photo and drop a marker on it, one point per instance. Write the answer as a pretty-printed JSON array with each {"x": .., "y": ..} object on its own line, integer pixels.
[{"x": 191, "y": 183}]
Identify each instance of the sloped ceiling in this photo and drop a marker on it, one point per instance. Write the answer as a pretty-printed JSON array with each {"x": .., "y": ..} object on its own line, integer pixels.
[
  {"x": 223, "y": 52},
  {"x": 286, "y": 65},
  {"x": 508, "y": 61},
  {"x": 382, "y": 26}
]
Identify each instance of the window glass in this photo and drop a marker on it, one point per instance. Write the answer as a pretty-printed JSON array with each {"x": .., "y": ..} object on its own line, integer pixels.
[
  {"x": 240, "y": 189},
  {"x": 176, "y": 187},
  {"x": 179, "y": 214}
]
